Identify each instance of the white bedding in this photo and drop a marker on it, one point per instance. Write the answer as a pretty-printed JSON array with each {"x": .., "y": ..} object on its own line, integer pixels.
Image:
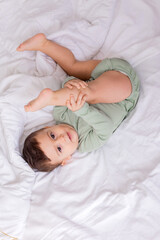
[{"x": 112, "y": 193}]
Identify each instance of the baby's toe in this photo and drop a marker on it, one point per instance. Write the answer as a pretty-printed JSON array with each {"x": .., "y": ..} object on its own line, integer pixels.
[{"x": 28, "y": 108}]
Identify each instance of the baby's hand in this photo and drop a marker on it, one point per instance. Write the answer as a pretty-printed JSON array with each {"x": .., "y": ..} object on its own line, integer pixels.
[
  {"x": 74, "y": 105},
  {"x": 76, "y": 83}
]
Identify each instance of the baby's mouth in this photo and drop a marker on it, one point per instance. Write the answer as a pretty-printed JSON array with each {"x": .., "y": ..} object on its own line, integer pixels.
[{"x": 69, "y": 136}]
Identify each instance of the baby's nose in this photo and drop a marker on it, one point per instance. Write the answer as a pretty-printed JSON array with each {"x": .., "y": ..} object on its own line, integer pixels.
[{"x": 63, "y": 137}]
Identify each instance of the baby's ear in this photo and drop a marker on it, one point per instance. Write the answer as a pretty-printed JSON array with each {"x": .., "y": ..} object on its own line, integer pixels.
[{"x": 65, "y": 161}]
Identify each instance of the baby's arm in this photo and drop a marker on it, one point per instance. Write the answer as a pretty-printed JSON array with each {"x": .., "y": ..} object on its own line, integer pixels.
[{"x": 101, "y": 128}]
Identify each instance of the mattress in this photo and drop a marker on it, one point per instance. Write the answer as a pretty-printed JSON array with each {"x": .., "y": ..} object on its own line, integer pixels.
[{"x": 112, "y": 193}]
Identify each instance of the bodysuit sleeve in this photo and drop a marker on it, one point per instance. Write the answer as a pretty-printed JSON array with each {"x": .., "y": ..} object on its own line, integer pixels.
[{"x": 101, "y": 128}]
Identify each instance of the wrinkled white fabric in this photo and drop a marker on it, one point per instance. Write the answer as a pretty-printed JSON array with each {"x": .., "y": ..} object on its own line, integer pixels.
[{"x": 112, "y": 193}]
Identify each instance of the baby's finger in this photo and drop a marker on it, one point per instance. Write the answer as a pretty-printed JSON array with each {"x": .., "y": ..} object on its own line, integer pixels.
[
  {"x": 68, "y": 85},
  {"x": 68, "y": 105},
  {"x": 83, "y": 100},
  {"x": 79, "y": 99},
  {"x": 83, "y": 84},
  {"x": 73, "y": 84},
  {"x": 77, "y": 85},
  {"x": 72, "y": 101}
]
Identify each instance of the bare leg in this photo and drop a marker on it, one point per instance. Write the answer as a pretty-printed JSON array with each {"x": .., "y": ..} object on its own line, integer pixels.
[
  {"x": 110, "y": 87},
  {"x": 63, "y": 56},
  {"x": 56, "y": 98}
]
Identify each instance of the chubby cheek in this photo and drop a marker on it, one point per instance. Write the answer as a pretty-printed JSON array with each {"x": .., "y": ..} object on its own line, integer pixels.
[{"x": 71, "y": 149}]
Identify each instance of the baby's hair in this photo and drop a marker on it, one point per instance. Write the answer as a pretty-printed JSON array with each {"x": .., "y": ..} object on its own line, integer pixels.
[{"x": 34, "y": 156}]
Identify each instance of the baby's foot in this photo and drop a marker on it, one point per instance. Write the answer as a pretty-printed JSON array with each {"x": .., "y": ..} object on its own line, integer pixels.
[
  {"x": 44, "y": 99},
  {"x": 33, "y": 44}
]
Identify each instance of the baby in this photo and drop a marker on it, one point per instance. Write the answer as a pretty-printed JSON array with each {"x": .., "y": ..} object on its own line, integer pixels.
[{"x": 88, "y": 108}]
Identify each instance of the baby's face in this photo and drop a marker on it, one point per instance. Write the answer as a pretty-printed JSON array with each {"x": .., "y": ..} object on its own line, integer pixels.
[{"x": 58, "y": 142}]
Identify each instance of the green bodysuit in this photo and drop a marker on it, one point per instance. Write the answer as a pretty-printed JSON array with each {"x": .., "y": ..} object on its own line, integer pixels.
[{"x": 95, "y": 123}]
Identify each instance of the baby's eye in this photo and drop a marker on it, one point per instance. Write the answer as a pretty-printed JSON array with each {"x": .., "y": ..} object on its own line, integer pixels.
[
  {"x": 52, "y": 135},
  {"x": 59, "y": 149}
]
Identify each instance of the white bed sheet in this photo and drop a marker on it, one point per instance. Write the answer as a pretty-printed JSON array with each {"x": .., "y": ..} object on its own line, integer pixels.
[{"x": 112, "y": 193}]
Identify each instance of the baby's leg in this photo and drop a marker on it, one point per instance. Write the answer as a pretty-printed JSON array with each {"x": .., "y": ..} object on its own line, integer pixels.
[
  {"x": 63, "y": 56},
  {"x": 110, "y": 87},
  {"x": 44, "y": 99},
  {"x": 48, "y": 97}
]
